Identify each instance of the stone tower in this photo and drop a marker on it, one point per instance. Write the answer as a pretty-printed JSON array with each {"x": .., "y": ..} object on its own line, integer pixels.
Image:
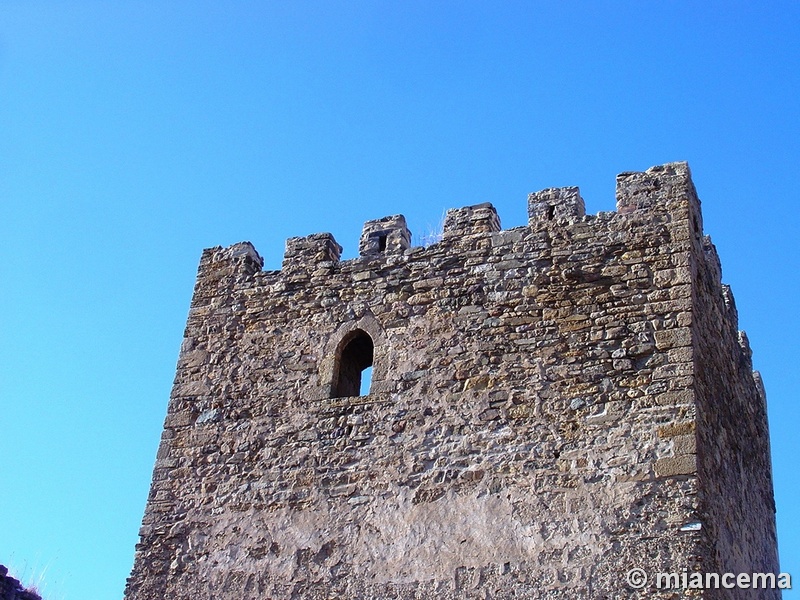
[{"x": 550, "y": 406}]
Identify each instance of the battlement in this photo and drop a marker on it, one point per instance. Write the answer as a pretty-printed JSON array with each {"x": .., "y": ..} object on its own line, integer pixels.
[
  {"x": 480, "y": 218},
  {"x": 491, "y": 415},
  {"x": 665, "y": 190},
  {"x": 388, "y": 235}
]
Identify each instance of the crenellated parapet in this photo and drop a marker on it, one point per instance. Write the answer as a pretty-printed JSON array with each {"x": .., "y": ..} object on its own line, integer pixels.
[
  {"x": 661, "y": 196},
  {"x": 665, "y": 190}
]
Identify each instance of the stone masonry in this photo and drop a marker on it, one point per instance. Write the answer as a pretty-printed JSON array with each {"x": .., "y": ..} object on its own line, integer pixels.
[
  {"x": 12, "y": 589},
  {"x": 550, "y": 406}
]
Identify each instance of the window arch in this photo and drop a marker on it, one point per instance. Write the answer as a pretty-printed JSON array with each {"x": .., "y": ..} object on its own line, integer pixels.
[{"x": 355, "y": 354}]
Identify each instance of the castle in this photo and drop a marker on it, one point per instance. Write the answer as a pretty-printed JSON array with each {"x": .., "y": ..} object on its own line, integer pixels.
[{"x": 549, "y": 407}]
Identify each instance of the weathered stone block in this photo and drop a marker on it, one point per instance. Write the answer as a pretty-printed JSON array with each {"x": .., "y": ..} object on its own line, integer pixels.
[{"x": 676, "y": 465}]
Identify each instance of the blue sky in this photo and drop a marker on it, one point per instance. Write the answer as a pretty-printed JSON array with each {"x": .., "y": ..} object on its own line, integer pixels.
[{"x": 135, "y": 134}]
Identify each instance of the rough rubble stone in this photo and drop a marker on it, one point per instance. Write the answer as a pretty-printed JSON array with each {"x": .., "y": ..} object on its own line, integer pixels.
[
  {"x": 12, "y": 589},
  {"x": 550, "y": 406}
]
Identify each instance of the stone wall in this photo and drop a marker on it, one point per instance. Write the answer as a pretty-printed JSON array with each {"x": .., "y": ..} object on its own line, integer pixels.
[
  {"x": 12, "y": 589},
  {"x": 550, "y": 406},
  {"x": 733, "y": 439}
]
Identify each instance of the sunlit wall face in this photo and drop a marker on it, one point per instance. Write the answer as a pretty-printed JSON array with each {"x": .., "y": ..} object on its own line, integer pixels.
[{"x": 135, "y": 135}]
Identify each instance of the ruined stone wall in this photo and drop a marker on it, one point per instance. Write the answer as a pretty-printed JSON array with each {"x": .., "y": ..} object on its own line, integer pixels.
[
  {"x": 539, "y": 399},
  {"x": 12, "y": 589}
]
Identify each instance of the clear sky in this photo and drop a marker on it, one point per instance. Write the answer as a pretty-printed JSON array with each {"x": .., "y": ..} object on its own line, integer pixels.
[{"x": 135, "y": 134}]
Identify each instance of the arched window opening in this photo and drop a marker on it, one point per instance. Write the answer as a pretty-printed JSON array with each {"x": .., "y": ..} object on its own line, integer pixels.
[{"x": 354, "y": 358}]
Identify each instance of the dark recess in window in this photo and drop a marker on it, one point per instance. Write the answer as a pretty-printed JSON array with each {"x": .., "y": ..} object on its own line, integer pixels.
[{"x": 356, "y": 355}]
